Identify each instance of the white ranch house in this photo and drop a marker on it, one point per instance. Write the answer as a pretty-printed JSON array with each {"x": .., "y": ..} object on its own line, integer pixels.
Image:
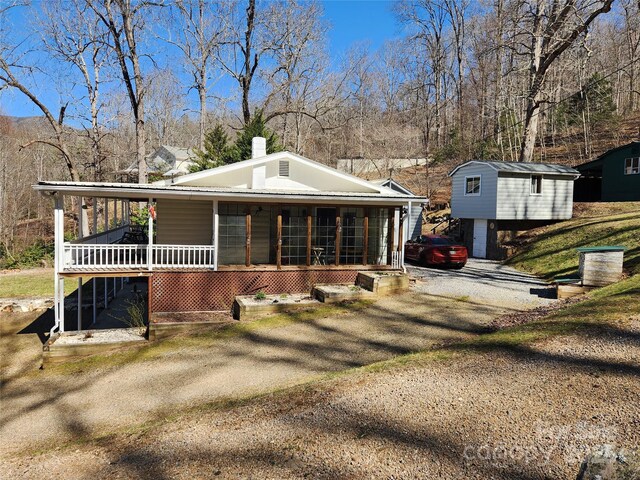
[
  {"x": 491, "y": 198},
  {"x": 279, "y": 223}
]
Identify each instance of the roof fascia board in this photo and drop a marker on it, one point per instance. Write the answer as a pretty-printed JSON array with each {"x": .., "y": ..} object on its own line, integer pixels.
[{"x": 185, "y": 194}]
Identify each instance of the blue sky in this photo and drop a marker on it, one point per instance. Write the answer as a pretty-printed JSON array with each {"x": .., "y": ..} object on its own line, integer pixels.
[
  {"x": 354, "y": 21},
  {"x": 371, "y": 22}
]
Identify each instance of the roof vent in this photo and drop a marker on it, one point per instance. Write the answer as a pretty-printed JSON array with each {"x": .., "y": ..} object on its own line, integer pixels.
[{"x": 283, "y": 168}]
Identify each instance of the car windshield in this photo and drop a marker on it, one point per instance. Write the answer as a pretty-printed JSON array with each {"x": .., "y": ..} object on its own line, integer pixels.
[{"x": 440, "y": 241}]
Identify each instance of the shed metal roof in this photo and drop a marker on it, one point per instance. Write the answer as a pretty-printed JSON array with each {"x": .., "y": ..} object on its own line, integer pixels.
[{"x": 522, "y": 167}]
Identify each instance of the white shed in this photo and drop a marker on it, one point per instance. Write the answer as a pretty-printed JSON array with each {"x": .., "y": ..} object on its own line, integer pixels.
[{"x": 492, "y": 197}]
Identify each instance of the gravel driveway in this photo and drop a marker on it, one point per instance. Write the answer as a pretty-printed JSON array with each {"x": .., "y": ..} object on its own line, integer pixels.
[
  {"x": 44, "y": 406},
  {"x": 484, "y": 281}
]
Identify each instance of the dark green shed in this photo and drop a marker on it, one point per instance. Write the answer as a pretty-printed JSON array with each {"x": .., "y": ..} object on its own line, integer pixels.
[{"x": 612, "y": 177}]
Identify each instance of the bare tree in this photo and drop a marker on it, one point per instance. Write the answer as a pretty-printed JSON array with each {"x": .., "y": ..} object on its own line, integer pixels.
[
  {"x": 124, "y": 20},
  {"x": 199, "y": 30},
  {"x": 71, "y": 33},
  {"x": 297, "y": 41},
  {"x": 553, "y": 26}
]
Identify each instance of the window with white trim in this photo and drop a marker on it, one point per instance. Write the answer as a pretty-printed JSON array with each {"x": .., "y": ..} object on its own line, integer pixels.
[
  {"x": 283, "y": 168},
  {"x": 632, "y": 166},
  {"x": 536, "y": 185},
  {"x": 472, "y": 185}
]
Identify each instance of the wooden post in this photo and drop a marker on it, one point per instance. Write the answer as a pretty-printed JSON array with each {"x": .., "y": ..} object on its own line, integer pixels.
[
  {"x": 309, "y": 224},
  {"x": 216, "y": 224},
  {"x": 150, "y": 244},
  {"x": 390, "y": 235},
  {"x": 365, "y": 239},
  {"x": 400, "y": 231},
  {"x": 279, "y": 240},
  {"x": 338, "y": 235},
  {"x": 247, "y": 259}
]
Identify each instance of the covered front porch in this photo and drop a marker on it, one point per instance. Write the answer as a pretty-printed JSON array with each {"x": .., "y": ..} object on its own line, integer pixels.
[
  {"x": 197, "y": 254},
  {"x": 216, "y": 235}
]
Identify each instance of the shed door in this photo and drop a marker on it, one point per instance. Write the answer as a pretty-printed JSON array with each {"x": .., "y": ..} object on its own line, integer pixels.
[{"x": 480, "y": 238}]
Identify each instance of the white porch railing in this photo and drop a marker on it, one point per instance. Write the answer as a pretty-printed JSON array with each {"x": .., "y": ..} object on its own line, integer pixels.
[
  {"x": 116, "y": 256},
  {"x": 395, "y": 259}
]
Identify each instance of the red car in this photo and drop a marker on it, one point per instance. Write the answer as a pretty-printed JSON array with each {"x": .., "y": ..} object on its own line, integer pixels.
[{"x": 436, "y": 250}]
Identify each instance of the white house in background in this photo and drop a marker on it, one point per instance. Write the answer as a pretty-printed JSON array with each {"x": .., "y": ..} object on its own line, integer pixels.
[
  {"x": 416, "y": 210},
  {"x": 377, "y": 166},
  {"x": 495, "y": 199},
  {"x": 167, "y": 160},
  {"x": 277, "y": 223}
]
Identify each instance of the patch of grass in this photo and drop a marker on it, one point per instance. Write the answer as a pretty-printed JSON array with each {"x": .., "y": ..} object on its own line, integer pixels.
[
  {"x": 462, "y": 298},
  {"x": 204, "y": 338},
  {"x": 31, "y": 283},
  {"x": 550, "y": 251}
]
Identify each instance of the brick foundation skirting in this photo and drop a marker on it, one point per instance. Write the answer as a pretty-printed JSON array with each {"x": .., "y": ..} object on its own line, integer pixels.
[{"x": 203, "y": 291}]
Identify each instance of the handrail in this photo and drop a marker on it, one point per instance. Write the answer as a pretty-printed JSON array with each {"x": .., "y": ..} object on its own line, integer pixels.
[{"x": 119, "y": 256}]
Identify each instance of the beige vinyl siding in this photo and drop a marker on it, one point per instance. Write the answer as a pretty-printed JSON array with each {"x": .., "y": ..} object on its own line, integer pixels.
[
  {"x": 515, "y": 201},
  {"x": 474, "y": 206},
  {"x": 184, "y": 222}
]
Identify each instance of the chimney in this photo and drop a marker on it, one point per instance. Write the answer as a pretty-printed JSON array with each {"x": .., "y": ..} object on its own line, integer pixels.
[{"x": 258, "y": 147}]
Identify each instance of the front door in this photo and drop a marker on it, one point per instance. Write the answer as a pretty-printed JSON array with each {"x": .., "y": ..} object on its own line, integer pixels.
[{"x": 480, "y": 238}]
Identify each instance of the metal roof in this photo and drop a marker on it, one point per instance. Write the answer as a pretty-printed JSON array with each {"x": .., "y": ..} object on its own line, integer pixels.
[
  {"x": 522, "y": 167},
  {"x": 136, "y": 190}
]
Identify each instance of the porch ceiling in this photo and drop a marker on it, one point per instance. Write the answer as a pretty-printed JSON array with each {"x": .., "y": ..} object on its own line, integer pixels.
[{"x": 145, "y": 191}]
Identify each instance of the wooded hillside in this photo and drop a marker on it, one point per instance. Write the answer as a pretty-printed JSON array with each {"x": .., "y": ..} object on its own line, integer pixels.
[{"x": 110, "y": 80}]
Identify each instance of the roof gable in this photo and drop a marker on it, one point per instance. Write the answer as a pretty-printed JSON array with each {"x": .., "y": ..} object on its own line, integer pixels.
[
  {"x": 281, "y": 171},
  {"x": 634, "y": 149},
  {"x": 393, "y": 185}
]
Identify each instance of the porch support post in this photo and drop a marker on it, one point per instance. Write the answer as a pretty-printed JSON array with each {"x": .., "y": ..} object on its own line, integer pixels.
[
  {"x": 338, "y": 235},
  {"x": 247, "y": 254},
  {"x": 95, "y": 215},
  {"x": 80, "y": 236},
  {"x": 106, "y": 227},
  {"x": 58, "y": 217},
  {"x": 80, "y": 219},
  {"x": 400, "y": 237},
  {"x": 150, "y": 244},
  {"x": 216, "y": 220},
  {"x": 365, "y": 236},
  {"x": 94, "y": 282},
  {"x": 309, "y": 223},
  {"x": 391, "y": 234},
  {"x": 279, "y": 240}
]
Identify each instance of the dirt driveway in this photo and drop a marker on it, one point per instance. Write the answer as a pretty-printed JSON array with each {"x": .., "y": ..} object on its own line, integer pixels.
[{"x": 38, "y": 406}]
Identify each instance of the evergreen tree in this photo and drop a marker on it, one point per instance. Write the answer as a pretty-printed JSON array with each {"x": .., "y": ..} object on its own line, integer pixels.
[
  {"x": 255, "y": 128},
  {"x": 216, "y": 150},
  {"x": 595, "y": 100}
]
